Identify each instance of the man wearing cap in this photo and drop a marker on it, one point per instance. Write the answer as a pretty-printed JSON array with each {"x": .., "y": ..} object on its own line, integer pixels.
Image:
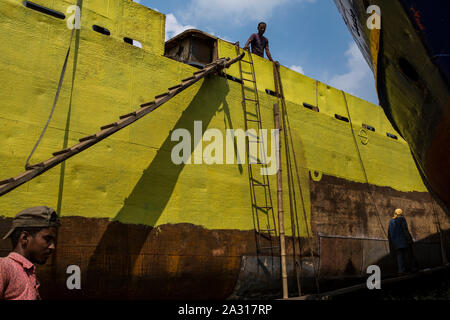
[
  {"x": 400, "y": 242},
  {"x": 33, "y": 238}
]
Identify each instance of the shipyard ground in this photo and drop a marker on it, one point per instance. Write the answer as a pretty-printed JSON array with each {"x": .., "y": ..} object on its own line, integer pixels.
[{"x": 428, "y": 284}]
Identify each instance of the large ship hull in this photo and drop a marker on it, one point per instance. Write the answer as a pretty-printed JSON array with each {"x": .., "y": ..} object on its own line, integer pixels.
[
  {"x": 409, "y": 56},
  {"x": 187, "y": 261},
  {"x": 140, "y": 226}
]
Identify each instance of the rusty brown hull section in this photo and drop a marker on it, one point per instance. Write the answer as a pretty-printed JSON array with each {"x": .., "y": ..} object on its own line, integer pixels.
[
  {"x": 183, "y": 261},
  {"x": 350, "y": 223}
]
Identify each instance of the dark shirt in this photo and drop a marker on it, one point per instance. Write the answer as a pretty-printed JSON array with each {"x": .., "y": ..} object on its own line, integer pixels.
[
  {"x": 258, "y": 43},
  {"x": 399, "y": 236}
]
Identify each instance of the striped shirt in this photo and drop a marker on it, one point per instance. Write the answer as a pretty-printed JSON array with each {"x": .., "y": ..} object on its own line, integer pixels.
[{"x": 18, "y": 279}]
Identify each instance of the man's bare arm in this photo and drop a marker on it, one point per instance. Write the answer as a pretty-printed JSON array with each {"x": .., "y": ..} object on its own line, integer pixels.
[
  {"x": 269, "y": 56},
  {"x": 247, "y": 44}
]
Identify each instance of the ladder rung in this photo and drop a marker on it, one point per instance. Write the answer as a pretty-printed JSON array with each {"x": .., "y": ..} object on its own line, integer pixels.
[
  {"x": 188, "y": 79},
  {"x": 115, "y": 124},
  {"x": 35, "y": 166},
  {"x": 57, "y": 153},
  {"x": 253, "y": 120},
  {"x": 251, "y": 100},
  {"x": 174, "y": 87},
  {"x": 255, "y": 181},
  {"x": 248, "y": 80},
  {"x": 257, "y": 161},
  {"x": 162, "y": 95},
  {"x": 88, "y": 138},
  {"x": 128, "y": 115},
  {"x": 258, "y": 207},
  {"x": 252, "y": 135},
  {"x": 6, "y": 181},
  {"x": 260, "y": 185},
  {"x": 147, "y": 104},
  {"x": 247, "y": 62}
]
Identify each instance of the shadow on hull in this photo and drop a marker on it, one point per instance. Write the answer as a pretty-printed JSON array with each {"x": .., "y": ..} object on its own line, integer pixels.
[{"x": 189, "y": 262}]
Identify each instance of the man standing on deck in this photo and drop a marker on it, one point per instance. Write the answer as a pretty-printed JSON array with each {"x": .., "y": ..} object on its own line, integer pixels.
[
  {"x": 33, "y": 238},
  {"x": 259, "y": 42},
  {"x": 400, "y": 242}
]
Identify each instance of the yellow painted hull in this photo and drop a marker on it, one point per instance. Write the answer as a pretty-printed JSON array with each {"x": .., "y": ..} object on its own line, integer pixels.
[{"x": 130, "y": 212}]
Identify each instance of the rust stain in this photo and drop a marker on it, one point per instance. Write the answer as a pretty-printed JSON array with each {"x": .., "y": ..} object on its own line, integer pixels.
[
  {"x": 342, "y": 257},
  {"x": 218, "y": 252},
  {"x": 181, "y": 261},
  {"x": 436, "y": 168}
]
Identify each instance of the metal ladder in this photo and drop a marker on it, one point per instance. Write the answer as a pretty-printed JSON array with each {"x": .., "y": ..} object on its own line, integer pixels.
[{"x": 262, "y": 205}]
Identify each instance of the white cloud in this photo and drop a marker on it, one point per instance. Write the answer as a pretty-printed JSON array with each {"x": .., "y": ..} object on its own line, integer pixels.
[
  {"x": 358, "y": 80},
  {"x": 234, "y": 11},
  {"x": 174, "y": 27},
  {"x": 298, "y": 69}
]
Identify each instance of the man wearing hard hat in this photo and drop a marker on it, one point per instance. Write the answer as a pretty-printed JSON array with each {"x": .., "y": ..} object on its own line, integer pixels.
[
  {"x": 400, "y": 242},
  {"x": 33, "y": 239}
]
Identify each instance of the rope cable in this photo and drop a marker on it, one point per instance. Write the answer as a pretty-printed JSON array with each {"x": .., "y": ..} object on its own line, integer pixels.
[
  {"x": 288, "y": 131},
  {"x": 292, "y": 198},
  {"x": 364, "y": 169},
  {"x": 55, "y": 101}
]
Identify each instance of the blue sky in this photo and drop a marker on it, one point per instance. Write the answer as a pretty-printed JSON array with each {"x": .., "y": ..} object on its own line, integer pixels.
[{"x": 308, "y": 36}]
